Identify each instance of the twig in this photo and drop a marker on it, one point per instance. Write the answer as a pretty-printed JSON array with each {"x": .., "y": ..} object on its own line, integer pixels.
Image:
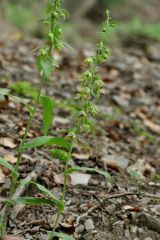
[
  {"x": 124, "y": 194},
  {"x": 152, "y": 184},
  {"x": 151, "y": 195},
  {"x": 149, "y": 221},
  {"x": 39, "y": 168},
  {"x": 118, "y": 195}
]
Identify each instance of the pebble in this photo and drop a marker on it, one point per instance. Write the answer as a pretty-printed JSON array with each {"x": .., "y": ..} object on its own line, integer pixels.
[
  {"x": 111, "y": 208},
  {"x": 89, "y": 225},
  {"x": 87, "y": 236},
  {"x": 140, "y": 230},
  {"x": 80, "y": 228},
  {"x": 134, "y": 229},
  {"x": 120, "y": 101},
  {"x": 127, "y": 234}
]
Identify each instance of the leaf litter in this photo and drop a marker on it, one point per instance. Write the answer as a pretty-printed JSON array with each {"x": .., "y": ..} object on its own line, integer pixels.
[{"x": 126, "y": 142}]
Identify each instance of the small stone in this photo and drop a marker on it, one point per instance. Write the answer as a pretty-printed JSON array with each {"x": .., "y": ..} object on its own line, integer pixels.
[
  {"x": 120, "y": 101},
  {"x": 134, "y": 229},
  {"x": 127, "y": 234},
  {"x": 140, "y": 230},
  {"x": 87, "y": 236},
  {"x": 111, "y": 208},
  {"x": 80, "y": 228},
  {"x": 89, "y": 224}
]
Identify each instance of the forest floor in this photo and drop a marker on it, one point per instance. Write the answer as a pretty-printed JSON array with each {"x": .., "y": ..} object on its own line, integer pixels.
[{"x": 126, "y": 143}]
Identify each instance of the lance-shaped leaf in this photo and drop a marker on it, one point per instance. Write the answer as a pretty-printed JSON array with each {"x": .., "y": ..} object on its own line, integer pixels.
[
  {"x": 47, "y": 113},
  {"x": 56, "y": 201},
  {"x": 49, "y": 141},
  {"x": 60, "y": 235},
  {"x": 9, "y": 166},
  {"x": 30, "y": 201},
  {"x": 74, "y": 169},
  {"x": 47, "y": 67},
  {"x": 6, "y": 92}
]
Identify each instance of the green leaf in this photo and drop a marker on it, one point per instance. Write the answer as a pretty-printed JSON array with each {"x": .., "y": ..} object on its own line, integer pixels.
[
  {"x": 58, "y": 203},
  {"x": 47, "y": 113},
  {"x": 30, "y": 201},
  {"x": 74, "y": 169},
  {"x": 9, "y": 166},
  {"x": 61, "y": 235},
  {"x": 69, "y": 47},
  {"x": 47, "y": 66},
  {"x": 60, "y": 154},
  {"x": 49, "y": 141},
  {"x": 4, "y": 91},
  {"x": 21, "y": 100}
]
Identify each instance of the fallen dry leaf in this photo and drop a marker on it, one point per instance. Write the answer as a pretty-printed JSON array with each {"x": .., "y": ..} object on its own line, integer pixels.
[
  {"x": 81, "y": 156},
  {"x": 132, "y": 208},
  {"x": 140, "y": 169},
  {"x": 7, "y": 142},
  {"x": 2, "y": 176},
  {"x": 59, "y": 178},
  {"x": 115, "y": 161},
  {"x": 4, "y": 102},
  {"x": 10, "y": 158},
  {"x": 67, "y": 228},
  {"x": 80, "y": 178},
  {"x": 74, "y": 178},
  {"x": 155, "y": 128}
]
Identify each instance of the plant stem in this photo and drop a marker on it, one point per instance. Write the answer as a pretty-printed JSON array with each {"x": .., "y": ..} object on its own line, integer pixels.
[
  {"x": 51, "y": 237},
  {"x": 20, "y": 152},
  {"x": 7, "y": 207},
  {"x": 30, "y": 120}
]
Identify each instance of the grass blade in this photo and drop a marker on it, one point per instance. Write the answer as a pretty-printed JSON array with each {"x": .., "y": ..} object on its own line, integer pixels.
[
  {"x": 30, "y": 201},
  {"x": 47, "y": 113},
  {"x": 6, "y": 92},
  {"x": 74, "y": 169},
  {"x": 9, "y": 166},
  {"x": 40, "y": 187},
  {"x": 49, "y": 141}
]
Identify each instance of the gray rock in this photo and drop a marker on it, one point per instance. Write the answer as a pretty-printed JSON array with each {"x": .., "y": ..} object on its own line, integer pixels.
[
  {"x": 89, "y": 225},
  {"x": 80, "y": 228},
  {"x": 120, "y": 101}
]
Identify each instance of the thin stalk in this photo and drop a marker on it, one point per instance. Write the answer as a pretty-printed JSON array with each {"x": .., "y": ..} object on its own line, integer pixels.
[
  {"x": 20, "y": 152},
  {"x": 51, "y": 237},
  {"x": 30, "y": 120},
  {"x": 7, "y": 207}
]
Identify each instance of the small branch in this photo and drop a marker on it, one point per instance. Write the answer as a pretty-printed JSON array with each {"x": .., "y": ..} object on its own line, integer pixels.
[
  {"x": 147, "y": 220},
  {"x": 118, "y": 195},
  {"x": 151, "y": 195},
  {"x": 39, "y": 168}
]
